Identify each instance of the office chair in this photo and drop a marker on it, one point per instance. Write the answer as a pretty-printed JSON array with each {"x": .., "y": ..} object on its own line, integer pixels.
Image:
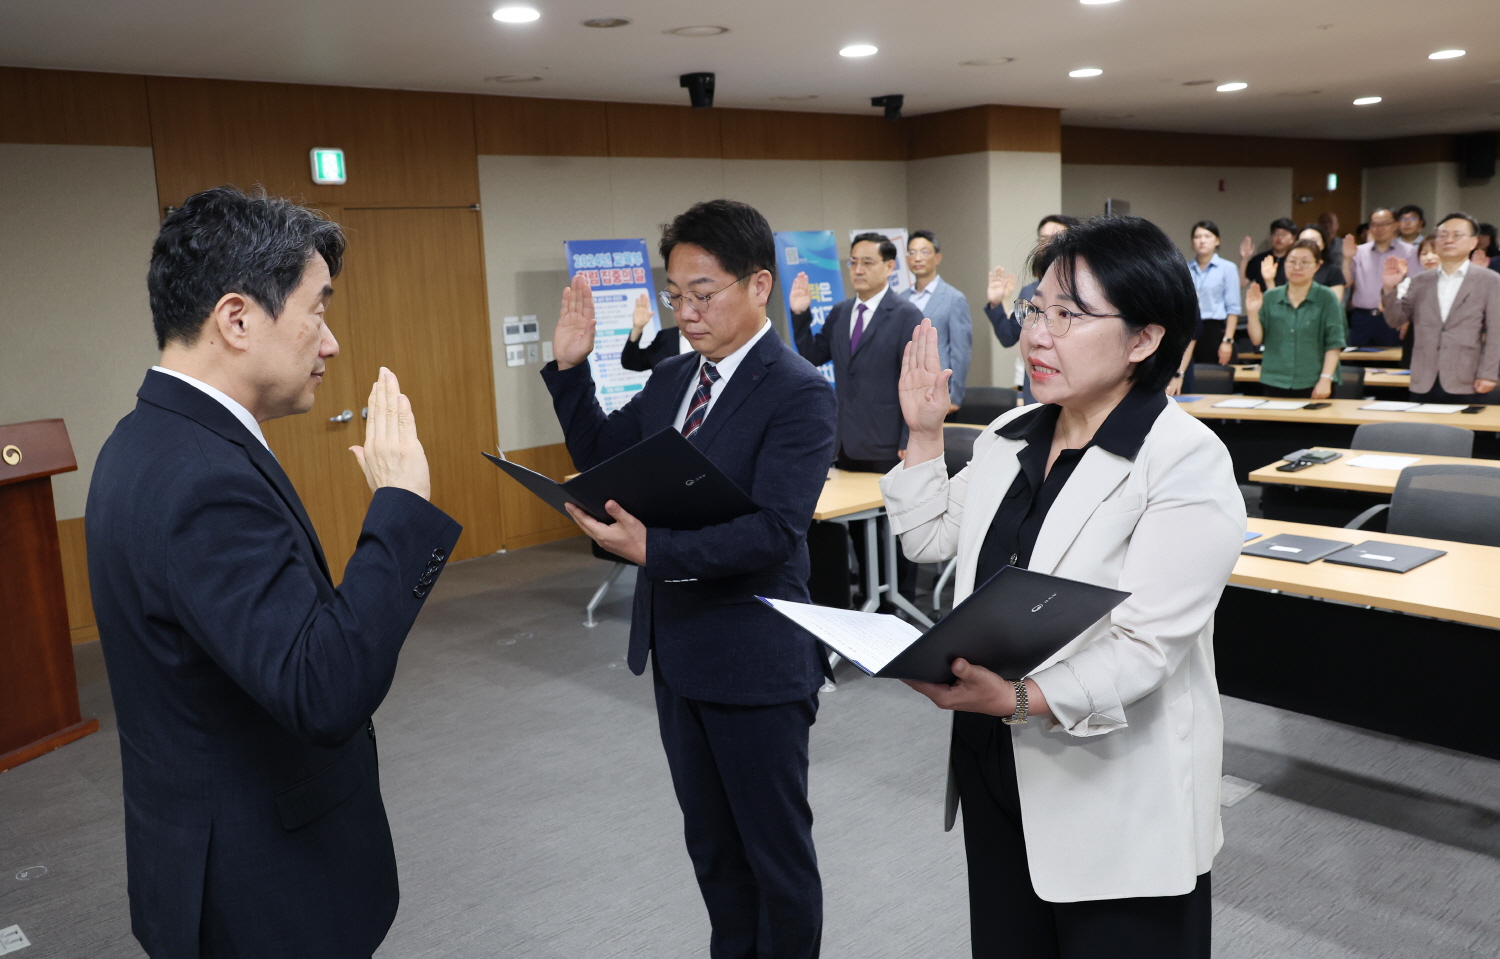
[
  {"x": 983, "y": 404},
  {"x": 958, "y": 449},
  {"x": 1423, "y": 439},
  {"x": 1456, "y": 502},
  {"x": 1351, "y": 384},
  {"x": 1212, "y": 378}
]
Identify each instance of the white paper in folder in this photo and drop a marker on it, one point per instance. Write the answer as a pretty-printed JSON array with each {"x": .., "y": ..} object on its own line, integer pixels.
[
  {"x": 870, "y": 640},
  {"x": 1371, "y": 461}
]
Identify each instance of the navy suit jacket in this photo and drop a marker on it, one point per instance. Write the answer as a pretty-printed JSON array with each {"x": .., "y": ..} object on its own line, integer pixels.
[
  {"x": 868, "y": 382},
  {"x": 771, "y": 431},
  {"x": 243, "y": 685}
]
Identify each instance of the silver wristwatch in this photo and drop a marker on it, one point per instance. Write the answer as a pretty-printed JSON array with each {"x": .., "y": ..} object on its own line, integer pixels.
[{"x": 1019, "y": 716}]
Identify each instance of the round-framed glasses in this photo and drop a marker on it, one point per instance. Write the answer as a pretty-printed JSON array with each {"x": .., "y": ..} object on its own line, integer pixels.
[
  {"x": 1057, "y": 319},
  {"x": 698, "y": 301}
]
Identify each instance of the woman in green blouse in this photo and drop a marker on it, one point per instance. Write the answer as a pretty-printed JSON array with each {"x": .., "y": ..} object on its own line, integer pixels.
[{"x": 1302, "y": 326}]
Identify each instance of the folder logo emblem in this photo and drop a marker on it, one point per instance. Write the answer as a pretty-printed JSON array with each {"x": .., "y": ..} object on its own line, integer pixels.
[
  {"x": 694, "y": 480},
  {"x": 11, "y": 454},
  {"x": 1037, "y": 608}
]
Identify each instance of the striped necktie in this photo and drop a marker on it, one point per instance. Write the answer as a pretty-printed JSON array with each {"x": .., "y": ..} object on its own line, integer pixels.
[{"x": 698, "y": 408}]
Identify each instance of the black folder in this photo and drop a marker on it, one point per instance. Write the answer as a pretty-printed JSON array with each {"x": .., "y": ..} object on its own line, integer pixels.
[
  {"x": 1395, "y": 557},
  {"x": 664, "y": 481},
  {"x": 1294, "y": 549}
]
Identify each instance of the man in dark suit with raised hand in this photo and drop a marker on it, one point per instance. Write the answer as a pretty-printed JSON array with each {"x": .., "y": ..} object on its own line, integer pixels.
[
  {"x": 243, "y": 680},
  {"x": 736, "y": 684}
]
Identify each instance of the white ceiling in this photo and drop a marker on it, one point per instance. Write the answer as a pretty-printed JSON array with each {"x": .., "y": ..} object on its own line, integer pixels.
[{"x": 1304, "y": 60}]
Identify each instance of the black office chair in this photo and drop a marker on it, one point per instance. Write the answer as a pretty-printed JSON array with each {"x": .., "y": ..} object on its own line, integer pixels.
[
  {"x": 1351, "y": 384},
  {"x": 1212, "y": 378},
  {"x": 1423, "y": 439},
  {"x": 983, "y": 404},
  {"x": 1456, "y": 502},
  {"x": 958, "y": 447}
]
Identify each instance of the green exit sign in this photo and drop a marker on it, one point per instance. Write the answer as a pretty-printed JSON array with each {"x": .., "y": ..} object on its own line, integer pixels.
[{"x": 327, "y": 166}]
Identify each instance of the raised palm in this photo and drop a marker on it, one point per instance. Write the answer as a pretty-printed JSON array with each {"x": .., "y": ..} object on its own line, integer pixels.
[
  {"x": 1002, "y": 286},
  {"x": 1247, "y": 248},
  {"x": 1253, "y": 298},
  {"x": 1268, "y": 271},
  {"x": 642, "y": 314},
  {"x": 574, "y": 339},
  {"x": 1351, "y": 246},
  {"x": 800, "y": 297},
  {"x": 924, "y": 382},
  {"x": 1392, "y": 272}
]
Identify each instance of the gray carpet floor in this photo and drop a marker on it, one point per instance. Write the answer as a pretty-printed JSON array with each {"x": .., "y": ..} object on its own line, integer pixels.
[{"x": 533, "y": 816}]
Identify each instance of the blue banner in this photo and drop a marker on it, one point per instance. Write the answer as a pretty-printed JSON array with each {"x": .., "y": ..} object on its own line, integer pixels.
[
  {"x": 618, "y": 271},
  {"x": 816, "y": 253}
]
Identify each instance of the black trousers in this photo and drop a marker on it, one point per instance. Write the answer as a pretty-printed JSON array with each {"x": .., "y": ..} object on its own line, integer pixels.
[
  {"x": 740, "y": 773},
  {"x": 1439, "y": 395},
  {"x": 1206, "y": 348},
  {"x": 906, "y": 570},
  {"x": 1303, "y": 393},
  {"x": 1007, "y": 918},
  {"x": 1369, "y": 328}
]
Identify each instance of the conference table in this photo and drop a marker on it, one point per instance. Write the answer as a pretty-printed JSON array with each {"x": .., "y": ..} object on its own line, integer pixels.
[
  {"x": 1374, "y": 377},
  {"x": 1340, "y": 475},
  {"x": 1391, "y": 354},
  {"x": 850, "y": 497},
  {"x": 1411, "y": 654}
]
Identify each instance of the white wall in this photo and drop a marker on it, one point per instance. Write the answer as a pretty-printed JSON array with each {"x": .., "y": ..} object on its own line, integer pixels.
[
  {"x": 1023, "y": 188},
  {"x": 531, "y": 205},
  {"x": 944, "y": 195},
  {"x": 1431, "y": 186},
  {"x": 1481, "y": 200},
  {"x": 76, "y": 227}
]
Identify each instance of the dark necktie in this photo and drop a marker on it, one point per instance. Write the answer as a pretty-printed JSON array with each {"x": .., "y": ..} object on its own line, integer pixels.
[
  {"x": 698, "y": 408},
  {"x": 859, "y": 329}
]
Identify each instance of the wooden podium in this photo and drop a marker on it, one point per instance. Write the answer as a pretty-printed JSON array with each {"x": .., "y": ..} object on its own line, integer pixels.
[{"x": 39, "y": 699}]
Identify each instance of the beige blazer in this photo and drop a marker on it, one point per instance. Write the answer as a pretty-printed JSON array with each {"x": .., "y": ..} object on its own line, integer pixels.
[
  {"x": 1461, "y": 350},
  {"x": 1120, "y": 789}
]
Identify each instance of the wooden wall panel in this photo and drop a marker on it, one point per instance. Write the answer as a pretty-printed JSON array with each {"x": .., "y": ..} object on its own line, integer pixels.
[
  {"x": 401, "y": 148},
  {"x": 532, "y": 126},
  {"x": 1024, "y": 129},
  {"x": 75, "y": 567},
  {"x": 950, "y": 133},
  {"x": 1438, "y": 148},
  {"x": 773, "y": 135},
  {"x": 63, "y": 106},
  {"x": 652, "y": 130},
  {"x": 528, "y": 520},
  {"x": 847, "y": 137}
]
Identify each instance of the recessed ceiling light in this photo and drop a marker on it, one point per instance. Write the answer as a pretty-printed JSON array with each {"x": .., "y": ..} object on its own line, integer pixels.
[
  {"x": 1196, "y": 83},
  {"x": 1366, "y": 101},
  {"x": 699, "y": 31},
  {"x": 804, "y": 96},
  {"x": 512, "y": 78},
  {"x": 515, "y": 14},
  {"x": 859, "y": 50},
  {"x": 1231, "y": 87},
  {"x": 1086, "y": 72},
  {"x": 1446, "y": 54},
  {"x": 605, "y": 23},
  {"x": 1095, "y": 3},
  {"x": 987, "y": 62}
]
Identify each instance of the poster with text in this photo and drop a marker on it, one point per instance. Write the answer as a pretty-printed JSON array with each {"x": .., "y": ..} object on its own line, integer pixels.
[
  {"x": 900, "y": 279},
  {"x": 816, "y": 253},
  {"x": 618, "y": 271}
]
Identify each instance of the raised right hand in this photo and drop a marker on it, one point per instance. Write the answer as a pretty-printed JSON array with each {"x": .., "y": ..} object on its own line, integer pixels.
[
  {"x": 1253, "y": 298},
  {"x": 642, "y": 314},
  {"x": 392, "y": 454},
  {"x": 1247, "y": 248},
  {"x": 1268, "y": 271},
  {"x": 1392, "y": 272},
  {"x": 574, "y": 339},
  {"x": 800, "y": 297},
  {"x": 1351, "y": 247},
  {"x": 924, "y": 386},
  {"x": 1001, "y": 288}
]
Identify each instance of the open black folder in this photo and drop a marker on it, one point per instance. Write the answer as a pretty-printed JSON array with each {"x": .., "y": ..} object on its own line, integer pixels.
[
  {"x": 1010, "y": 625},
  {"x": 663, "y": 481}
]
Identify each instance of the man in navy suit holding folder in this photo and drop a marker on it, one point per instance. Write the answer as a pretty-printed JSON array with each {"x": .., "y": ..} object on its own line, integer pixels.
[{"x": 736, "y": 684}]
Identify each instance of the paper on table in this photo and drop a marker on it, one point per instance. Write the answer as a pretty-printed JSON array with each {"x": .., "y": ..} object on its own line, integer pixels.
[
  {"x": 1390, "y": 406},
  {"x": 1283, "y": 404},
  {"x": 868, "y": 640},
  {"x": 1373, "y": 462},
  {"x": 1240, "y": 404},
  {"x": 1436, "y": 408}
]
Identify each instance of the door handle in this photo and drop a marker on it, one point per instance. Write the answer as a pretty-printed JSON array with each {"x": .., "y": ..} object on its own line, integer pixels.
[
  {"x": 343, "y": 417},
  {"x": 364, "y": 412}
]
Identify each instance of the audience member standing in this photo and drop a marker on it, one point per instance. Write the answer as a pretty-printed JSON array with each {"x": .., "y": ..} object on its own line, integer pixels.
[
  {"x": 1218, "y": 286},
  {"x": 1363, "y": 271},
  {"x": 1411, "y": 223},
  {"x": 667, "y": 342},
  {"x": 1487, "y": 253},
  {"x": 1455, "y": 316},
  {"x": 945, "y": 306},
  {"x": 1330, "y": 274},
  {"x": 1002, "y": 287},
  {"x": 1301, "y": 326},
  {"x": 1283, "y": 235},
  {"x": 1427, "y": 256}
]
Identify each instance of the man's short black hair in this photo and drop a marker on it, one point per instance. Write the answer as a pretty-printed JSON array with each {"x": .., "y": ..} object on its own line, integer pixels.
[
  {"x": 1061, "y": 219},
  {"x": 887, "y": 248},
  {"x": 1284, "y": 223},
  {"x": 1459, "y": 215},
  {"x": 1142, "y": 274},
  {"x": 1412, "y": 208},
  {"x": 927, "y": 235},
  {"x": 225, "y": 241},
  {"x": 732, "y": 232},
  {"x": 1208, "y": 225}
]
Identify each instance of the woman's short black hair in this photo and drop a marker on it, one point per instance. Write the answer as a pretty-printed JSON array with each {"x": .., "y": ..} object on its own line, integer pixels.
[
  {"x": 1208, "y": 225},
  {"x": 1322, "y": 233},
  {"x": 226, "y": 241},
  {"x": 1143, "y": 275},
  {"x": 735, "y": 233},
  {"x": 887, "y": 248},
  {"x": 1308, "y": 245}
]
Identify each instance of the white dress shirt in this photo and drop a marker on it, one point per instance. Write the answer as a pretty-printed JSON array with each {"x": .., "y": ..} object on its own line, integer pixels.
[
  {"x": 240, "y": 413},
  {"x": 1447, "y": 287},
  {"x": 725, "y": 367},
  {"x": 920, "y": 298},
  {"x": 871, "y": 305}
]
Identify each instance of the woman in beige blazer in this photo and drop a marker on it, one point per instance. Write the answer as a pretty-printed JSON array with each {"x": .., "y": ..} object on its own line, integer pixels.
[{"x": 1090, "y": 788}]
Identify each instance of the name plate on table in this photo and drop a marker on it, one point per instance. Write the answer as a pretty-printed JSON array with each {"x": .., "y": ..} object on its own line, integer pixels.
[{"x": 1295, "y": 549}]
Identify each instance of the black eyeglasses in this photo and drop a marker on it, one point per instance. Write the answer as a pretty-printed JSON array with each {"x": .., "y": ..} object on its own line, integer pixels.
[
  {"x": 698, "y": 301},
  {"x": 1058, "y": 320}
]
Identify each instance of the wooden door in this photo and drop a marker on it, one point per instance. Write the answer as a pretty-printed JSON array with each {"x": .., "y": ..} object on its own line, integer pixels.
[{"x": 414, "y": 283}]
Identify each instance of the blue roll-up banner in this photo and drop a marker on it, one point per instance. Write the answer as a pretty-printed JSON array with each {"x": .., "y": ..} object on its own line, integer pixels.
[
  {"x": 618, "y": 271},
  {"x": 816, "y": 253}
]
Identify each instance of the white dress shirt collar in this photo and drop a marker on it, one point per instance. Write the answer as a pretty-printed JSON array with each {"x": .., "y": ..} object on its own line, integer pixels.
[
  {"x": 725, "y": 368},
  {"x": 1447, "y": 287},
  {"x": 240, "y": 413},
  {"x": 924, "y": 296},
  {"x": 871, "y": 305}
]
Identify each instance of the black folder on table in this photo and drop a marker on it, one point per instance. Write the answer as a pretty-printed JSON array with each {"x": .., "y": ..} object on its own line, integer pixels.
[
  {"x": 1010, "y": 625},
  {"x": 1295, "y": 549},
  {"x": 664, "y": 481},
  {"x": 1395, "y": 557}
]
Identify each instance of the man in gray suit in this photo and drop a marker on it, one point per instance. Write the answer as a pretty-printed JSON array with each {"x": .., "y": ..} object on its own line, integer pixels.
[
  {"x": 945, "y": 306},
  {"x": 1455, "y": 315}
]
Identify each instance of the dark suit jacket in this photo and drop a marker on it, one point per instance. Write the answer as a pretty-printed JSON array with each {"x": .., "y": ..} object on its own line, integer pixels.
[
  {"x": 871, "y": 426},
  {"x": 771, "y": 431},
  {"x": 1456, "y": 352},
  {"x": 666, "y": 343},
  {"x": 243, "y": 685}
]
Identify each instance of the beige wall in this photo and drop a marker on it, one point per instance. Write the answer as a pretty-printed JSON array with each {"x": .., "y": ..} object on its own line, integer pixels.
[
  {"x": 1481, "y": 200},
  {"x": 533, "y": 204},
  {"x": 1431, "y": 186},
  {"x": 1174, "y": 198},
  {"x": 76, "y": 226},
  {"x": 1023, "y": 188}
]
